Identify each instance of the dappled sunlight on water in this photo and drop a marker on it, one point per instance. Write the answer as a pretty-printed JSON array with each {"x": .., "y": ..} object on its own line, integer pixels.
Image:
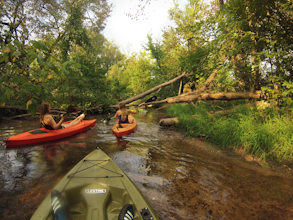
[{"x": 179, "y": 178}]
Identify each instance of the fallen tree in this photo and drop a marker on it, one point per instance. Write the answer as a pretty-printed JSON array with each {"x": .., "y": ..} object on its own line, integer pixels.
[
  {"x": 134, "y": 98},
  {"x": 56, "y": 112},
  {"x": 217, "y": 96},
  {"x": 13, "y": 107},
  {"x": 168, "y": 121},
  {"x": 186, "y": 97},
  {"x": 203, "y": 88},
  {"x": 198, "y": 94},
  {"x": 209, "y": 96}
]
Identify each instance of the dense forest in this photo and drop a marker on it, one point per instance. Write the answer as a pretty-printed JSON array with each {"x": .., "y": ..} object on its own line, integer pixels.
[{"x": 54, "y": 50}]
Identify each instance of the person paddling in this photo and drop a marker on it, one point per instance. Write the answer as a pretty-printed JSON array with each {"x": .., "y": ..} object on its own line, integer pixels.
[
  {"x": 123, "y": 113},
  {"x": 49, "y": 123}
]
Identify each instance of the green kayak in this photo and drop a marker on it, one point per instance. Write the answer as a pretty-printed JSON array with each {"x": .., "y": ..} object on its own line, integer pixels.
[
  {"x": 95, "y": 188},
  {"x": 142, "y": 111}
]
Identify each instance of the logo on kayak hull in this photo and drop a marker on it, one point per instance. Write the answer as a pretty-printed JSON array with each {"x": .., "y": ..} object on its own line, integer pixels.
[{"x": 95, "y": 191}]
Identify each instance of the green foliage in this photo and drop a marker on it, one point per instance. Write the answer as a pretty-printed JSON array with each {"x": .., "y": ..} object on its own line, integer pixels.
[
  {"x": 255, "y": 37},
  {"x": 17, "y": 83},
  {"x": 243, "y": 40},
  {"x": 62, "y": 69},
  {"x": 157, "y": 53},
  {"x": 32, "y": 108},
  {"x": 193, "y": 30},
  {"x": 131, "y": 76},
  {"x": 264, "y": 133},
  {"x": 46, "y": 78}
]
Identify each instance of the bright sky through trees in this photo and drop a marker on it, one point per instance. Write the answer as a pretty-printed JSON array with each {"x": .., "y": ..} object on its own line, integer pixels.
[{"x": 129, "y": 34}]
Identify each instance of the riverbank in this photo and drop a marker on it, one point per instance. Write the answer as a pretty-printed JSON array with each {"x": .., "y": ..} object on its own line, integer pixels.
[
  {"x": 255, "y": 136},
  {"x": 240, "y": 156},
  {"x": 231, "y": 185}
]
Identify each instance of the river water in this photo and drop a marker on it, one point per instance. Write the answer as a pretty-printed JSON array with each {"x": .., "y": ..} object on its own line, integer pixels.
[{"x": 179, "y": 177}]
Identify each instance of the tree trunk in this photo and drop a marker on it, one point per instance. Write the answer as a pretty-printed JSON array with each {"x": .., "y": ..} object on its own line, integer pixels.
[
  {"x": 255, "y": 72},
  {"x": 202, "y": 89},
  {"x": 179, "y": 93},
  {"x": 146, "y": 104},
  {"x": 134, "y": 98},
  {"x": 55, "y": 112},
  {"x": 13, "y": 107},
  {"x": 168, "y": 121},
  {"x": 207, "y": 82},
  {"x": 217, "y": 96}
]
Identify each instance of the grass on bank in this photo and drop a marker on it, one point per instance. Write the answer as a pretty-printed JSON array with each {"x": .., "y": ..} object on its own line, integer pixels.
[{"x": 265, "y": 133}]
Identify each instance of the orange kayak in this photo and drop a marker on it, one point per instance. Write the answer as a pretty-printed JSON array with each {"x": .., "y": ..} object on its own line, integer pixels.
[
  {"x": 126, "y": 127},
  {"x": 43, "y": 135}
]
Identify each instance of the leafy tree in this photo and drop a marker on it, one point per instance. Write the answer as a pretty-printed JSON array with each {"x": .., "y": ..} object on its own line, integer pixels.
[
  {"x": 173, "y": 51},
  {"x": 48, "y": 70},
  {"x": 238, "y": 40},
  {"x": 191, "y": 41},
  {"x": 25, "y": 18},
  {"x": 156, "y": 53},
  {"x": 138, "y": 73},
  {"x": 188, "y": 22},
  {"x": 131, "y": 75},
  {"x": 110, "y": 55},
  {"x": 257, "y": 33},
  {"x": 117, "y": 81}
]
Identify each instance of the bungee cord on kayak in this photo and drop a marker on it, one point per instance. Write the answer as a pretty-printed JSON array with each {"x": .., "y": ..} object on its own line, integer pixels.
[{"x": 93, "y": 165}]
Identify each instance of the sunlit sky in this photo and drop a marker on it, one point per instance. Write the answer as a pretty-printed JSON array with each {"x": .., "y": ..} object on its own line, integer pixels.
[{"x": 129, "y": 34}]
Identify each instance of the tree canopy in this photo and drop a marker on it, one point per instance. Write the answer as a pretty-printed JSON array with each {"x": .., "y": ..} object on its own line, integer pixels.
[{"x": 54, "y": 50}]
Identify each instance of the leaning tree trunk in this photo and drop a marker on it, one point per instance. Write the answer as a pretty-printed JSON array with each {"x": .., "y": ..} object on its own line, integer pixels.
[
  {"x": 207, "y": 82},
  {"x": 203, "y": 88},
  {"x": 134, "y": 98}
]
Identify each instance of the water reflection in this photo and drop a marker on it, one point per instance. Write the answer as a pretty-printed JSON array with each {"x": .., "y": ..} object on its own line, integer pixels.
[
  {"x": 37, "y": 166},
  {"x": 54, "y": 154},
  {"x": 122, "y": 142}
]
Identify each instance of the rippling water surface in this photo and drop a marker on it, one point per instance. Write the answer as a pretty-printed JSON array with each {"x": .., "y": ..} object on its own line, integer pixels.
[{"x": 180, "y": 180}]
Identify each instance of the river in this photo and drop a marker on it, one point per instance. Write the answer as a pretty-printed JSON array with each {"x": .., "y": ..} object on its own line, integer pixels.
[{"x": 179, "y": 176}]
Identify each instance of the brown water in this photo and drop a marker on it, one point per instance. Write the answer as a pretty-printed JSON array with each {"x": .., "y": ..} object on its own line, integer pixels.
[{"x": 180, "y": 177}]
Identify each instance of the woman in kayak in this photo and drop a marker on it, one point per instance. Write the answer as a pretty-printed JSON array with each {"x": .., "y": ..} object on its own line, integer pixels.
[
  {"x": 49, "y": 123},
  {"x": 123, "y": 113}
]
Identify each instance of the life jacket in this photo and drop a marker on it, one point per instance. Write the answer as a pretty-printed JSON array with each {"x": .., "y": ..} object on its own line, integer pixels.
[
  {"x": 48, "y": 127},
  {"x": 120, "y": 120}
]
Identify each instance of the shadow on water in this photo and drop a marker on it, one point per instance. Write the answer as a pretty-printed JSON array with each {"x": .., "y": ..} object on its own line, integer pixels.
[{"x": 178, "y": 177}]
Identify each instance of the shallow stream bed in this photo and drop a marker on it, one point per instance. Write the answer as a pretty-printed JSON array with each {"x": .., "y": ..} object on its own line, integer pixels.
[{"x": 182, "y": 178}]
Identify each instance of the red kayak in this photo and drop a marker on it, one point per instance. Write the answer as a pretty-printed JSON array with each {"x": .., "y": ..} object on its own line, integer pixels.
[
  {"x": 43, "y": 135},
  {"x": 125, "y": 128}
]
